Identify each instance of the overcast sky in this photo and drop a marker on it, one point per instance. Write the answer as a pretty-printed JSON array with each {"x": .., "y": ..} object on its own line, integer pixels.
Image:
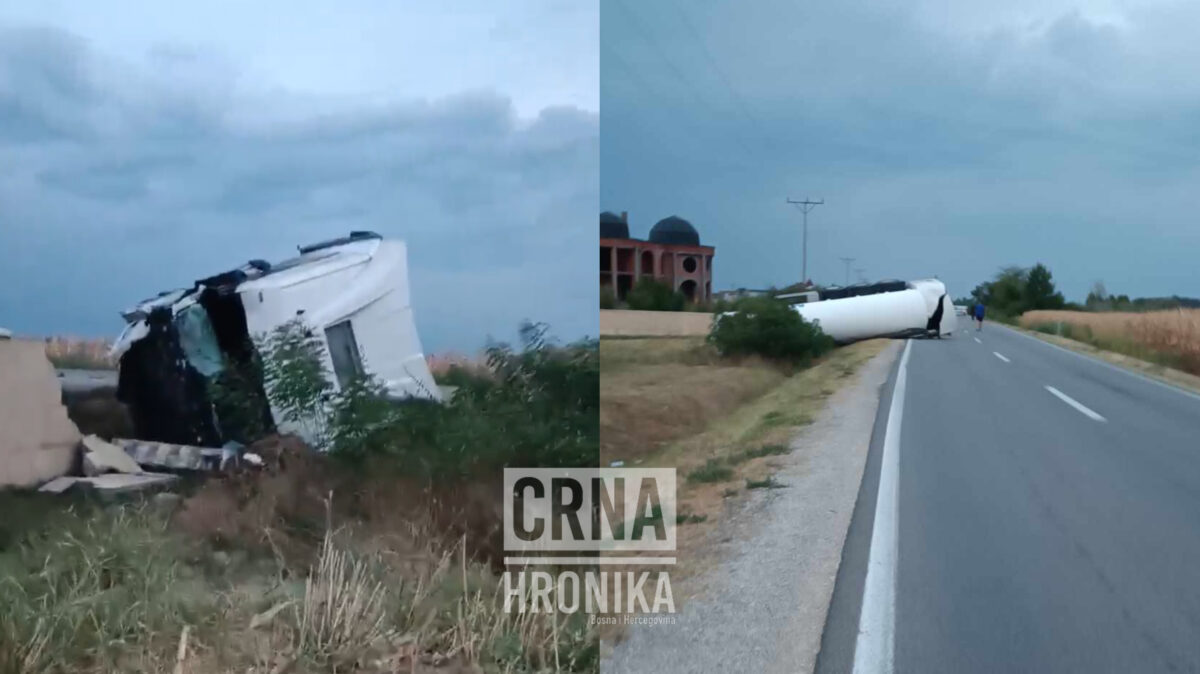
[
  {"x": 146, "y": 144},
  {"x": 947, "y": 138}
]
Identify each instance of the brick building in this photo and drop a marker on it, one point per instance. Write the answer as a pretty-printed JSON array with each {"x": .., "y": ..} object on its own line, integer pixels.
[{"x": 672, "y": 254}]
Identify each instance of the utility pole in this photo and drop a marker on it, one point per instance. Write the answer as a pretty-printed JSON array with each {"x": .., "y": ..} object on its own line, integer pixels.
[
  {"x": 847, "y": 261},
  {"x": 805, "y": 206}
]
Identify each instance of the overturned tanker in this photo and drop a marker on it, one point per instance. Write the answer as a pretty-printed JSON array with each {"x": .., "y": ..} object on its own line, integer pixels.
[
  {"x": 350, "y": 293},
  {"x": 914, "y": 309}
]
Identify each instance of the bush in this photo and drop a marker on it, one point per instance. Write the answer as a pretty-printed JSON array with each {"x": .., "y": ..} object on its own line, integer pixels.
[
  {"x": 607, "y": 299},
  {"x": 651, "y": 295},
  {"x": 769, "y": 328}
]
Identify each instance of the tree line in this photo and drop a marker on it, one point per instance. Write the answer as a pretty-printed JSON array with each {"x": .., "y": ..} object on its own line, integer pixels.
[{"x": 1015, "y": 290}]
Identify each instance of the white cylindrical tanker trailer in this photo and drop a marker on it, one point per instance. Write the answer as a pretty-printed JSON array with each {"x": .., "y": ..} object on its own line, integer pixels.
[
  {"x": 939, "y": 307},
  {"x": 850, "y": 319}
]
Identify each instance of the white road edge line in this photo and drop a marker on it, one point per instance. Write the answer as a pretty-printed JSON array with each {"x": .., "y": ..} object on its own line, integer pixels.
[
  {"x": 1001, "y": 356},
  {"x": 1076, "y": 404},
  {"x": 874, "y": 649},
  {"x": 978, "y": 340}
]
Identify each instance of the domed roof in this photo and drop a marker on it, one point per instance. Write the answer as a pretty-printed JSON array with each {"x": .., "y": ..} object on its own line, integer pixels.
[
  {"x": 675, "y": 230},
  {"x": 612, "y": 226}
]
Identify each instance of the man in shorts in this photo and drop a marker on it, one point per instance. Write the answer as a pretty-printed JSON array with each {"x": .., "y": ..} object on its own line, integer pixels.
[{"x": 979, "y": 316}]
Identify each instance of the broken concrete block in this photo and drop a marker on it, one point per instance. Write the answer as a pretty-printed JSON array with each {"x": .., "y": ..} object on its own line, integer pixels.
[
  {"x": 105, "y": 457},
  {"x": 173, "y": 457},
  {"x": 111, "y": 483},
  {"x": 58, "y": 485}
]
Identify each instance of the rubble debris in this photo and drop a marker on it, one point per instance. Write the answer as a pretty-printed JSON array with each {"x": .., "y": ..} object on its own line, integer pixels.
[
  {"x": 37, "y": 439},
  {"x": 110, "y": 483},
  {"x": 101, "y": 457},
  {"x": 168, "y": 456},
  {"x": 352, "y": 292}
]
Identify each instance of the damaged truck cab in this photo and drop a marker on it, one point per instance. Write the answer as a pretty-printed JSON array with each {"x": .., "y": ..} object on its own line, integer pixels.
[{"x": 352, "y": 293}]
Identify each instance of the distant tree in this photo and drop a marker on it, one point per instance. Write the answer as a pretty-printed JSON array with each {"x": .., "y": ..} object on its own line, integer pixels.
[
  {"x": 1006, "y": 292},
  {"x": 1097, "y": 299},
  {"x": 1038, "y": 291}
]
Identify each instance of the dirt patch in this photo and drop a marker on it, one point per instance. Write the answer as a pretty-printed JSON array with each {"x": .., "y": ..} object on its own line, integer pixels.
[{"x": 654, "y": 391}]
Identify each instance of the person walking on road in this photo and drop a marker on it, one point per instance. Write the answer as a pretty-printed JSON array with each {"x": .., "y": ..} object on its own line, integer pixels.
[{"x": 979, "y": 316}]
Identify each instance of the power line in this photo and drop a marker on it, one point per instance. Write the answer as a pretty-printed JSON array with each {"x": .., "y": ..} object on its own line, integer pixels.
[
  {"x": 613, "y": 56},
  {"x": 805, "y": 206},
  {"x": 637, "y": 25},
  {"x": 745, "y": 108}
]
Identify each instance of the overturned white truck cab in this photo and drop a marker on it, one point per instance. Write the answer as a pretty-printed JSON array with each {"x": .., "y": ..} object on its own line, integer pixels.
[
  {"x": 888, "y": 309},
  {"x": 351, "y": 293}
]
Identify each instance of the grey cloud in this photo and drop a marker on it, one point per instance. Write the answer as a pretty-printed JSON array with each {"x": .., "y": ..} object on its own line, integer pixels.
[
  {"x": 939, "y": 150},
  {"x": 134, "y": 189}
]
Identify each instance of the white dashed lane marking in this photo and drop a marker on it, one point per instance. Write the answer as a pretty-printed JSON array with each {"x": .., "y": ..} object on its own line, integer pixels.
[{"x": 1083, "y": 409}]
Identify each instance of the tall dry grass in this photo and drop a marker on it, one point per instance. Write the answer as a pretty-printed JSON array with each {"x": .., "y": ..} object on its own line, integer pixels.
[
  {"x": 115, "y": 589},
  {"x": 1170, "y": 337}
]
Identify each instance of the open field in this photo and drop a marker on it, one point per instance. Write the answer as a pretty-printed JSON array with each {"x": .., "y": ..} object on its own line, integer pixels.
[{"x": 1170, "y": 338}]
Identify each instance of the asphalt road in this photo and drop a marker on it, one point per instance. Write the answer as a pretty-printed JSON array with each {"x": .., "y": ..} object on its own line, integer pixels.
[{"x": 1041, "y": 513}]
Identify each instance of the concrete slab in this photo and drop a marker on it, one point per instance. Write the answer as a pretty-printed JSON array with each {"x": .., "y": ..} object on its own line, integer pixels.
[{"x": 111, "y": 483}]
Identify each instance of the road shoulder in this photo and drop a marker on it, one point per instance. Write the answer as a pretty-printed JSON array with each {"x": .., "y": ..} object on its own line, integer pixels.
[{"x": 782, "y": 548}]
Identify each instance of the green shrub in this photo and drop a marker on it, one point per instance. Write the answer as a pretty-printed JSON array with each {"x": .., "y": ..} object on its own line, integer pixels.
[
  {"x": 652, "y": 295},
  {"x": 769, "y": 328},
  {"x": 607, "y": 299},
  {"x": 712, "y": 471}
]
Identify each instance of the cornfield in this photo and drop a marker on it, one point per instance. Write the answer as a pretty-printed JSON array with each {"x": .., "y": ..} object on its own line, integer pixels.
[{"x": 1171, "y": 337}]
